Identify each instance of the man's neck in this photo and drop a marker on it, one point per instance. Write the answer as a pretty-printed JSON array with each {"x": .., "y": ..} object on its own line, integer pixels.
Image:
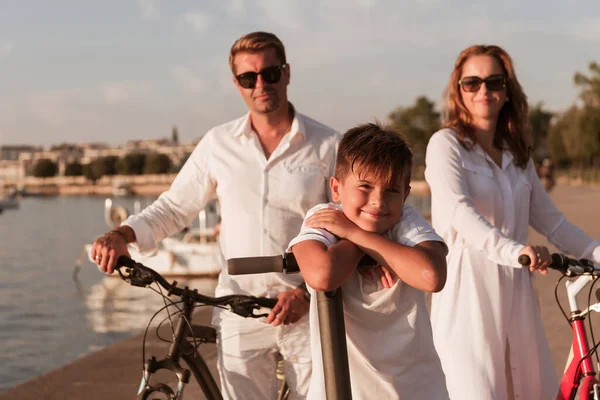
[
  {"x": 271, "y": 127},
  {"x": 274, "y": 124}
]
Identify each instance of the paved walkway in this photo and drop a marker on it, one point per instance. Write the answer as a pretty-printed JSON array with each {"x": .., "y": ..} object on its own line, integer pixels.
[{"x": 115, "y": 371}]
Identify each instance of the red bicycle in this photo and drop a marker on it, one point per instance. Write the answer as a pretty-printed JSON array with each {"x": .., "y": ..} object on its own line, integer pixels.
[{"x": 579, "y": 380}]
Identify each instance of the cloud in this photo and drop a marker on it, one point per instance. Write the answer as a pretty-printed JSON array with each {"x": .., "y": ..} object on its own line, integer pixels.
[
  {"x": 6, "y": 49},
  {"x": 121, "y": 92},
  {"x": 187, "y": 79},
  {"x": 198, "y": 21},
  {"x": 149, "y": 9},
  {"x": 53, "y": 107},
  {"x": 587, "y": 29},
  {"x": 234, "y": 8}
]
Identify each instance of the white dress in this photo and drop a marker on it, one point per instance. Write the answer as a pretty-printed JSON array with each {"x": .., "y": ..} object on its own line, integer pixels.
[{"x": 487, "y": 312}]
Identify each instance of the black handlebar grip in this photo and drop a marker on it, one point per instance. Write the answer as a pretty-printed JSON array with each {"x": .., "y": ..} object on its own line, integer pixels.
[
  {"x": 524, "y": 260},
  {"x": 254, "y": 265},
  {"x": 291, "y": 265},
  {"x": 266, "y": 302},
  {"x": 125, "y": 261}
]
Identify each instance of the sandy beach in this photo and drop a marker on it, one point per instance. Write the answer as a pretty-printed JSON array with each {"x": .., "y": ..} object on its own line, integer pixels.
[{"x": 580, "y": 205}]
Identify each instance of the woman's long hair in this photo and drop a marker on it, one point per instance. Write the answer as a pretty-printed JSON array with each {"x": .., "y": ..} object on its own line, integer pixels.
[{"x": 512, "y": 120}]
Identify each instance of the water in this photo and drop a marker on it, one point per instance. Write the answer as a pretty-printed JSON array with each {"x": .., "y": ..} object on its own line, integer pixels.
[{"x": 46, "y": 318}]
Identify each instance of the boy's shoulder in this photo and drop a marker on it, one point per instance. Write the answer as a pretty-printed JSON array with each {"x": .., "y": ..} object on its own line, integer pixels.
[
  {"x": 318, "y": 207},
  {"x": 412, "y": 228}
]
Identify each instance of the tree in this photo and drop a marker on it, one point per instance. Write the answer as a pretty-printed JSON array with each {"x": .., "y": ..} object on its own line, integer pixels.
[
  {"x": 576, "y": 134},
  {"x": 560, "y": 134},
  {"x": 175, "y": 135},
  {"x": 74, "y": 169},
  {"x": 94, "y": 170},
  {"x": 45, "y": 168},
  {"x": 416, "y": 123},
  {"x": 590, "y": 85},
  {"x": 539, "y": 123},
  {"x": 157, "y": 163},
  {"x": 109, "y": 164},
  {"x": 131, "y": 164}
]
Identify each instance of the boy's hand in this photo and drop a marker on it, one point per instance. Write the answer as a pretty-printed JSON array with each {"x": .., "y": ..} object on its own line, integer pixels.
[
  {"x": 387, "y": 277},
  {"x": 333, "y": 221}
]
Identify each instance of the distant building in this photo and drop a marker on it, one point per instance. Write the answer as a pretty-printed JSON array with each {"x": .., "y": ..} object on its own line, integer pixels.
[{"x": 13, "y": 152}]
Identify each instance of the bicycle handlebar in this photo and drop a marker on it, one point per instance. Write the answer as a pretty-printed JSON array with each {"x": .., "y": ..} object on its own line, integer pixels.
[
  {"x": 259, "y": 265},
  {"x": 283, "y": 264},
  {"x": 568, "y": 266},
  {"x": 139, "y": 275}
]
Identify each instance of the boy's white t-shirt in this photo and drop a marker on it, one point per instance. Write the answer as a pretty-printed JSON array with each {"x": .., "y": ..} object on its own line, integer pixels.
[{"x": 388, "y": 333}]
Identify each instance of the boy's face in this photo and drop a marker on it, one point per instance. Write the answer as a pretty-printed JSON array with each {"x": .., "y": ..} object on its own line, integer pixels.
[{"x": 372, "y": 205}]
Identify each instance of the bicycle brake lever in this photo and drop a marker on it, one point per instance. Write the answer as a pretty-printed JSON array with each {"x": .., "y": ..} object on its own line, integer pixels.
[
  {"x": 245, "y": 308},
  {"x": 594, "y": 307},
  {"x": 137, "y": 277}
]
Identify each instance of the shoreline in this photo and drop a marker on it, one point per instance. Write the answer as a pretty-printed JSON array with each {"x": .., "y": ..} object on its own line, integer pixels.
[{"x": 154, "y": 185}]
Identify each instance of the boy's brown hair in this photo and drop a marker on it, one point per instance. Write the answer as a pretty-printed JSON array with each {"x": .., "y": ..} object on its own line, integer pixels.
[
  {"x": 375, "y": 150},
  {"x": 254, "y": 42}
]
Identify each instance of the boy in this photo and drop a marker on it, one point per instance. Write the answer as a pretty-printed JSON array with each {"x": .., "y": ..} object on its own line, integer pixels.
[{"x": 390, "y": 347}]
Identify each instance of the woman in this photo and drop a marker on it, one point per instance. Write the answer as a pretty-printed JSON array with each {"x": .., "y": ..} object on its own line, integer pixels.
[{"x": 485, "y": 193}]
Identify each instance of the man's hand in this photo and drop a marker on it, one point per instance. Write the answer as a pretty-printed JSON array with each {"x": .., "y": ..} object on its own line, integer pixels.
[
  {"x": 107, "y": 249},
  {"x": 333, "y": 221},
  {"x": 387, "y": 277},
  {"x": 291, "y": 306}
]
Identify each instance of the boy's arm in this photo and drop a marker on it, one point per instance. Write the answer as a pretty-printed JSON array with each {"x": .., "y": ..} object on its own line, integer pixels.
[
  {"x": 326, "y": 268},
  {"x": 422, "y": 266}
]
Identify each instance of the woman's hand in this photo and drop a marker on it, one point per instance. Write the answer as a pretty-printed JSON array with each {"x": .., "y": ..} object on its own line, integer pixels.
[{"x": 539, "y": 256}]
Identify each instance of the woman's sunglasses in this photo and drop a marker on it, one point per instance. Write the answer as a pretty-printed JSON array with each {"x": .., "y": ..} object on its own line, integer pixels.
[
  {"x": 493, "y": 83},
  {"x": 270, "y": 75}
]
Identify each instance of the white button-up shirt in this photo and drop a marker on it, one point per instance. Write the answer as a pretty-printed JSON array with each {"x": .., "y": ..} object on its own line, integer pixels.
[
  {"x": 263, "y": 201},
  {"x": 483, "y": 212}
]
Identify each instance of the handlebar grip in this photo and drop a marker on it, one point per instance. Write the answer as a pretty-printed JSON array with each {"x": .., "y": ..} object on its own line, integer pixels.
[
  {"x": 255, "y": 265},
  {"x": 291, "y": 265},
  {"x": 125, "y": 261},
  {"x": 266, "y": 302},
  {"x": 524, "y": 260}
]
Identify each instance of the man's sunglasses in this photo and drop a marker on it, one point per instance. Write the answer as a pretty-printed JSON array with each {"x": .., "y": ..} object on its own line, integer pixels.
[
  {"x": 270, "y": 75},
  {"x": 493, "y": 83}
]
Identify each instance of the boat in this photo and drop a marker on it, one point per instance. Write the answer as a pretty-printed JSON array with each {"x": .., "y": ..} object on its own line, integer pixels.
[
  {"x": 8, "y": 202},
  {"x": 194, "y": 252},
  {"x": 121, "y": 188}
]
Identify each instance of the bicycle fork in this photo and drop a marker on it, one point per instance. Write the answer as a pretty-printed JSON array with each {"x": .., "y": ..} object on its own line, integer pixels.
[{"x": 171, "y": 361}]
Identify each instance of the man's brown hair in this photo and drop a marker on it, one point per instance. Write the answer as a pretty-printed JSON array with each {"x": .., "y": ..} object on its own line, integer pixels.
[
  {"x": 374, "y": 150},
  {"x": 254, "y": 42}
]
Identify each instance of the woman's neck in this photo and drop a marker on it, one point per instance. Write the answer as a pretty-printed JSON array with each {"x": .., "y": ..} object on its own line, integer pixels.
[{"x": 484, "y": 131}]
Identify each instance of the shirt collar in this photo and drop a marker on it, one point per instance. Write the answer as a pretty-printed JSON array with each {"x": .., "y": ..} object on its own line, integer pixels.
[
  {"x": 507, "y": 156},
  {"x": 298, "y": 126}
]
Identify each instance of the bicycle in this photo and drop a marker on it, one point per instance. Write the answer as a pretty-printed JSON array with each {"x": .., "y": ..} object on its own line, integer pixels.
[
  {"x": 579, "y": 380},
  {"x": 186, "y": 337}
]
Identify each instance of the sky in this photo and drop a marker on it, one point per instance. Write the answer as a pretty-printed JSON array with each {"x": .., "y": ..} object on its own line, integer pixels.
[{"x": 116, "y": 70}]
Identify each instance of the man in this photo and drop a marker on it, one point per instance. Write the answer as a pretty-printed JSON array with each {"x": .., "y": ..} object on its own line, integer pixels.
[{"x": 267, "y": 169}]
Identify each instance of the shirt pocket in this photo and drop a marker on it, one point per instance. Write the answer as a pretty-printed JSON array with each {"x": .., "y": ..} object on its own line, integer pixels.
[
  {"x": 303, "y": 184},
  {"x": 482, "y": 170},
  {"x": 483, "y": 189}
]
